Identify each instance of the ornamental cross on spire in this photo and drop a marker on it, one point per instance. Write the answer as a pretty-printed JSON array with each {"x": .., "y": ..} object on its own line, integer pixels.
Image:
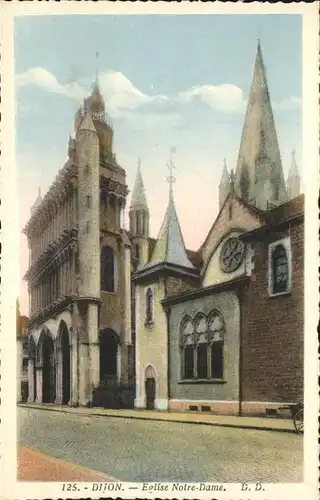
[
  {"x": 171, "y": 179},
  {"x": 97, "y": 72}
]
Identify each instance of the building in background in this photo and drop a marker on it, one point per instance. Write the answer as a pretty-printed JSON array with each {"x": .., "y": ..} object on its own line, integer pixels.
[
  {"x": 222, "y": 330},
  {"x": 22, "y": 356}
]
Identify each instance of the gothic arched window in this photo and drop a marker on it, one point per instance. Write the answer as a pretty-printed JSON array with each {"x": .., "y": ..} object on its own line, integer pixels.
[
  {"x": 107, "y": 270},
  {"x": 187, "y": 345},
  {"x": 202, "y": 347},
  {"x": 149, "y": 306},
  {"x": 216, "y": 329},
  {"x": 280, "y": 269}
]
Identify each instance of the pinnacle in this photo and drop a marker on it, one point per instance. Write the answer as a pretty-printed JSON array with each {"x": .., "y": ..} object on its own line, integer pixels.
[
  {"x": 139, "y": 199},
  {"x": 294, "y": 171},
  {"x": 225, "y": 174}
]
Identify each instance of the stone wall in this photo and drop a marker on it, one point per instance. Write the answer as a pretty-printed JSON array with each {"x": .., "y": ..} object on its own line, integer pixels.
[{"x": 227, "y": 304}]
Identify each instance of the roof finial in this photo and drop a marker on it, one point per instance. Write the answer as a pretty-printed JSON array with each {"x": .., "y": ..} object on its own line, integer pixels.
[
  {"x": 96, "y": 82},
  {"x": 171, "y": 179}
]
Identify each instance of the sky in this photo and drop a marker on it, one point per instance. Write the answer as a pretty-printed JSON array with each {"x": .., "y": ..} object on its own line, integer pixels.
[{"x": 177, "y": 81}]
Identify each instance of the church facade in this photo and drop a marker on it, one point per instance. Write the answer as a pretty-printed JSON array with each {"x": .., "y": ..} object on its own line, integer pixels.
[
  {"x": 119, "y": 319},
  {"x": 79, "y": 279},
  {"x": 221, "y": 330}
]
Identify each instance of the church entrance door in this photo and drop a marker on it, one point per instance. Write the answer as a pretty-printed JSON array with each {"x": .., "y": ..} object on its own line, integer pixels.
[
  {"x": 107, "y": 395},
  {"x": 109, "y": 342},
  {"x": 150, "y": 387},
  {"x": 48, "y": 374},
  {"x": 150, "y": 393}
]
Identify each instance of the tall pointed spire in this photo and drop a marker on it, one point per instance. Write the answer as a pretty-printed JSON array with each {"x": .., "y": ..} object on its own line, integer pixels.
[
  {"x": 139, "y": 199},
  {"x": 259, "y": 174},
  {"x": 170, "y": 247},
  {"x": 293, "y": 183}
]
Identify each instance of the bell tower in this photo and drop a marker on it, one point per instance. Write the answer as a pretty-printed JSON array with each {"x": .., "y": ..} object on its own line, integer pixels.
[{"x": 139, "y": 219}]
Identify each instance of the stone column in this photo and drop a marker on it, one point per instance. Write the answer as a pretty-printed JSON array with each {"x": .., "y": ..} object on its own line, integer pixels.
[
  {"x": 31, "y": 394},
  {"x": 74, "y": 207},
  {"x": 69, "y": 273},
  {"x": 58, "y": 400},
  {"x": 83, "y": 375},
  {"x": 73, "y": 274},
  {"x": 74, "y": 399},
  {"x": 127, "y": 293},
  {"x": 121, "y": 366},
  {"x": 39, "y": 384},
  {"x": 94, "y": 344}
]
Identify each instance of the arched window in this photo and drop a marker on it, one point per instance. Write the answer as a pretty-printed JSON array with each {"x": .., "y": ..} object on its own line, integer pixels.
[
  {"x": 139, "y": 221},
  {"x": 280, "y": 271},
  {"x": 188, "y": 348},
  {"x": 216, "y": 334},
  {"x": 202, "y": 347},
  {"x": 149, "y": 306},
  {"x": 137, "y": 251},
  {"x": 107, "y": 270}
]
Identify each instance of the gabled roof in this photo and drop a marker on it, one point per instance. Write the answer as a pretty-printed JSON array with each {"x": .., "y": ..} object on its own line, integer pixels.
[
  {"x": 193, "y": 255},
  {"x": 254, "y": 210},
  {"x": 169, "y": 247}
]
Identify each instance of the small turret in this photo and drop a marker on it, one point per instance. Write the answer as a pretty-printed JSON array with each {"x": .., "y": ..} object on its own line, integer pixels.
[
  {"x": 293, "y": 182},
  {"x": 224, "y": 186},
  {"x": 170, "y": 248},
  {"x": 37, "y": 203}
]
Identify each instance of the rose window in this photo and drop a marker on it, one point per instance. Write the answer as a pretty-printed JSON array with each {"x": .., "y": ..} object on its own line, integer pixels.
[{"x": 232, "y": 254}]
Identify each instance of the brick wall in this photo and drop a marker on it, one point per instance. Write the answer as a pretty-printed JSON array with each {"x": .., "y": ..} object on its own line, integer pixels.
[
  {"x": 177, "y": 286},
  {"x": 273, "y": 327}
]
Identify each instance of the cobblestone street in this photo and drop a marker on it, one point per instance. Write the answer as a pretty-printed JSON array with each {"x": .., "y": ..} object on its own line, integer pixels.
[{"x": 137, "y": 450}]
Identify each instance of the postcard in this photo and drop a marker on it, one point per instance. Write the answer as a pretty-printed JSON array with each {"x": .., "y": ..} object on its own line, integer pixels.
[{"x": 160, "y": 177}]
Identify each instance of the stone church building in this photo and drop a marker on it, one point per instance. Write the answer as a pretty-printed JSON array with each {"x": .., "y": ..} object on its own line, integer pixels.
[
  {"x": 119, "y": 319},
  {"x": 221, "y": 330}
]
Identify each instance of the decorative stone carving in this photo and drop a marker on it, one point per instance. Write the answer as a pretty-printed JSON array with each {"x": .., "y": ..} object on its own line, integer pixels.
[{"x": 232, "y": 254}]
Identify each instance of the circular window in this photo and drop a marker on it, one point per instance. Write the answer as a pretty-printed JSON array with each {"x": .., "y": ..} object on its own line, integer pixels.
[{"x": 232, "y": 254}]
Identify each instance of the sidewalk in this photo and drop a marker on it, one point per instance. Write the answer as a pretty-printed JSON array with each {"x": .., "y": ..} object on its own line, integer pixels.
[
  {"x": 33, "y": 465},
  {"x": 256, "y": 423}
]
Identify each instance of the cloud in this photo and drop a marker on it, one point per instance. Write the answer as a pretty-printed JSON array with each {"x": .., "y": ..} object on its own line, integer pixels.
[
  {"x": 43, "y": 78},
  {"x": 289, "y": 104},
  {"x": 122, "y": 94},
  {"x": 118, "y": 90},
  {"x": 226, "y": 97}
]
